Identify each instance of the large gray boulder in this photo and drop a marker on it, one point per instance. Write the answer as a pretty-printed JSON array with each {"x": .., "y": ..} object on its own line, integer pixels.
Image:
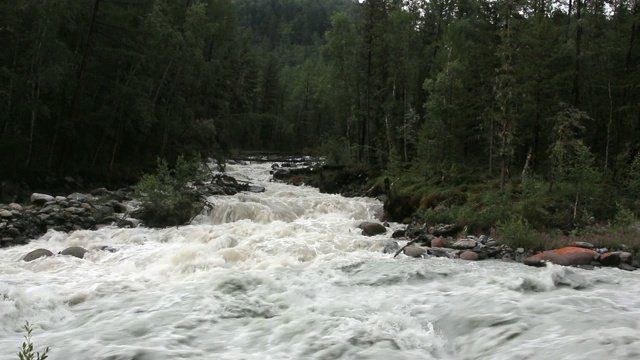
[
  {"x": 36, "y": 254},
  {"x": 372, "y": 229},
  {"x": 76, "y": 251}
]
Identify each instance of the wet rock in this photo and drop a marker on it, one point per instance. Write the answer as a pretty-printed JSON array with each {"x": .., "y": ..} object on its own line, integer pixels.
[
  {"x": 577, "y": 255},
  {"x": 614, "y": 258},
  {"x": 36, "y": 254},
  {"x": 464, "y": 244},
  {"x": 414, "y": 251},
  {"x": 469, "y": 255},
  {"x": 13, "y": 232},
  {"x": 442, "y": 252},
  {"x": 99, "y": 192},
  {"x": 610, "y": 259},
  {"x": 566, "y": 256},
  {"x": 625, "y": 266},
  {"x": 390, "y": 247},
  {"x": 548, "y": 256},
  {"x": 256, "y": 189},
  {"x": 106, "y": 248},
  {"x": 439, "y": 242},
  {"x": 398, "y": 234},
  {"x": 586, "y": 267},
  {"x": 372, "y": 229},
  {"x": 76, "y": 251},
  {"x": 78, "y": 197}
]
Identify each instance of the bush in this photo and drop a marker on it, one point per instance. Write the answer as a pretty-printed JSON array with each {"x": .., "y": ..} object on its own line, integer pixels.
[
  {"x": 166, "y": 197},
  {"x": 517, "y": 233},
  {"x": 26, "y": 351}
]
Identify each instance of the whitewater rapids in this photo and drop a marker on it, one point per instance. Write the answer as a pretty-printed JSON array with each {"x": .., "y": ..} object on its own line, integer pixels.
[{"x": 286, "y": 274}]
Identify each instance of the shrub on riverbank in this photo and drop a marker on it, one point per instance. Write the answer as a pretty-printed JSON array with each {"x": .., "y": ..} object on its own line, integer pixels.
[{"x": 166, "y": 196}]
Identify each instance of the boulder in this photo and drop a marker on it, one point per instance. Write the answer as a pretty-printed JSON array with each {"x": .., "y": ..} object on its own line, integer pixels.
[
  {"x": 414, "y": 251},
  {"x": 14, "y": 206},
  {"x": 444, "y": 229},
  {"x": 610, "y": 259},
  {"x": 625, "y": 266},
  {"x": 372, "y": 229},
  {"x": 398, "y": 234},
  {"x": 464, "y": 244},
  {"x": 442, "y": 252},
  {"x": 548, "y": 256},
  {"x": 40, "y": 199},
  {"x": 577, "y": 255},
  {"x": 616, "y": 257},
  {"x": 470, "y": 256},
  {"x": 76, "y": 251},
  {"x": 36, "y": 254},
  {"x": 256, "y": 188},
  {"x": 570, "y": 255},
  {"x": 5, "y": 213},
  {"x": 390, "y": 247},
  {"x": 438, "y": 242},
  {"x": 78, "y": 197}
]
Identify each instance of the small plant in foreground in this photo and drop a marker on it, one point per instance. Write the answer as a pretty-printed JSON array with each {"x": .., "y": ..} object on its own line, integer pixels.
[{"x": 26, "y": 351}]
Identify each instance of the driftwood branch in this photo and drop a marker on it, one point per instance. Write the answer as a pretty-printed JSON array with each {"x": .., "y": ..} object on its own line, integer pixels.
[{"x": 402, "y": 248}]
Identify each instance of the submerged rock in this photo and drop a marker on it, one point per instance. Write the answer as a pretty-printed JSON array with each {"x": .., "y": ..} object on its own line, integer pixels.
[
  {"x": 76, "y": 251},
  {"x": 36, "y": 254},
  {"x": 372, "y": 229},
  {"x": 414, "y": 251}
]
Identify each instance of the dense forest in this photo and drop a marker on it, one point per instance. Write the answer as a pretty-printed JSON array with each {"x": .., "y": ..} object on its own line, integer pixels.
[{"x": 453, "y": 90}]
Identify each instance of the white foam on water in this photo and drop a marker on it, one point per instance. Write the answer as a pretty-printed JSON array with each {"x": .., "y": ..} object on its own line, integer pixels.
[{"x": 286, "y": 274}]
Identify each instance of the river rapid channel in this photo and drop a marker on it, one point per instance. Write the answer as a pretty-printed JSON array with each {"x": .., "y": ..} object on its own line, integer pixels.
[{"x": 286, "y": 274}]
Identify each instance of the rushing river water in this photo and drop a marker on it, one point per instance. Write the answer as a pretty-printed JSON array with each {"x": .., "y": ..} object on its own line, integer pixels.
[{"x": 286, "y": 274}]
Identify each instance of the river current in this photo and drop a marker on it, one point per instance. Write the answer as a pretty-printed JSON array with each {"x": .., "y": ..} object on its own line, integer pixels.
[{"x": 286, "y": 274}]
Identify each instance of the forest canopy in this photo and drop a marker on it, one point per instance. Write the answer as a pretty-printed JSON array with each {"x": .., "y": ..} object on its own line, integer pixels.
[{"x": 105, "y": 87}]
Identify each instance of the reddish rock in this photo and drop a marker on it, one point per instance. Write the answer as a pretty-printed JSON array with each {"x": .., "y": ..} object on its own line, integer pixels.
[
  {"x": 439, "y": 242},
  {"x": 469, "y": 255},
  {"x": 542, "y": 258},
  {"x": 577, "y": 255}
]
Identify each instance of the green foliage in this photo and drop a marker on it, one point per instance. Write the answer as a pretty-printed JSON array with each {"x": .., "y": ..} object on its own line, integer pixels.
[
  {"x": 27, "y": 350},
  {"x": 166, "y": 197},
  {"x": 516, "y": 232},
  {"x": 335, "y": 151},
  {"x": 632, "y": 182}
]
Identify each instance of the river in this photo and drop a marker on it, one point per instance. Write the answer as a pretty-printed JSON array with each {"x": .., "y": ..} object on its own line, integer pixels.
[{"x": 286, "y": 274}]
